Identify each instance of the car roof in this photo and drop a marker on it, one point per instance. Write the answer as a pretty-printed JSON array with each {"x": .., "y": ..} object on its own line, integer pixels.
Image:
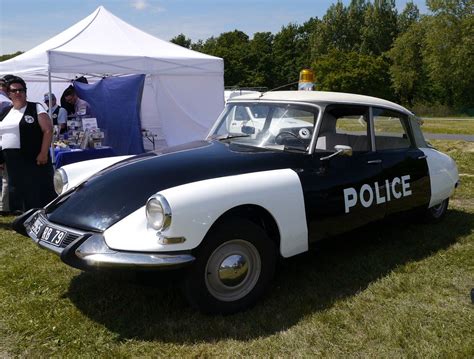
[
  {"x": 228, "y": 94},
  {"x": 321, "y": 97}
]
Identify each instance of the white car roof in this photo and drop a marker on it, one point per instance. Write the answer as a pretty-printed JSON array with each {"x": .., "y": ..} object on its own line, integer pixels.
[
  {"x": 321, "y": 97},
  {"x": 228, "y": 94}
]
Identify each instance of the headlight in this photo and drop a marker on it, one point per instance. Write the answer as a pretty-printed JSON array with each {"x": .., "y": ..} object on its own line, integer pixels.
[
  {"x": 158, "y": 212},
  {"x": 60, "y": 180}
]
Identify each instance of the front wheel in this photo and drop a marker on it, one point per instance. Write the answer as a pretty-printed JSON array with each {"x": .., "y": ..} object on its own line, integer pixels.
[{"x": 233, "y": 267}]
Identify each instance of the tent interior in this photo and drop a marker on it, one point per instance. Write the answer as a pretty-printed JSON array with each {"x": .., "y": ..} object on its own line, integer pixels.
[{"x": 183, "y": 91}]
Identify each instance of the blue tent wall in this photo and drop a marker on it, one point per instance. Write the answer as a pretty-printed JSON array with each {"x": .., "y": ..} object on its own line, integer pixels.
[{"x": 115, "y": 101}]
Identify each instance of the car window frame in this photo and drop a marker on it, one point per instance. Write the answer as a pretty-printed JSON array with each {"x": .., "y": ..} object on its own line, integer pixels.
[
  {"x": 405, "y": 122},
  {"x": 325, "y": 106}
]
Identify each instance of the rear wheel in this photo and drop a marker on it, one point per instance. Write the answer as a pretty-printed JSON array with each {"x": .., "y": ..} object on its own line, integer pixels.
[
  {"x": 436, "y": 213},
  {"x": 233, "y": 267}
]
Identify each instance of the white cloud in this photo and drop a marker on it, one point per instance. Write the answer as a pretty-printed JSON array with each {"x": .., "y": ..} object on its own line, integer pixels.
[
  {"x": 146, "y": 4},
  {"x": 140, "y": 4}
]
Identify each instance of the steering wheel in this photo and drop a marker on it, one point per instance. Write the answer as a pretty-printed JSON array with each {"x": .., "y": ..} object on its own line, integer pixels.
[{"x": 279, "y": 137}]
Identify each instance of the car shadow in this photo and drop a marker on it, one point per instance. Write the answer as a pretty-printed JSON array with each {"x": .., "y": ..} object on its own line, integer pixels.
[
  {"x": 6, "y": 226},
  {"x": 333, "y": 270}
]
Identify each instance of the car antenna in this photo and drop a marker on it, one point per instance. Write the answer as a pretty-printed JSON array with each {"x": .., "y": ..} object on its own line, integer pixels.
[{"x": 279, "y": 87}]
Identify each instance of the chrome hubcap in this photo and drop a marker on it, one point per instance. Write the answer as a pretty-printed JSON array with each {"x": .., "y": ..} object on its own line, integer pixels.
[{"x": 232, "y": 270}]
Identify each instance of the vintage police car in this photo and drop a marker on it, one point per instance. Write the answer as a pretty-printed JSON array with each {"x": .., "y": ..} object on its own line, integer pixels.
[{"x": 278, "y": 171}]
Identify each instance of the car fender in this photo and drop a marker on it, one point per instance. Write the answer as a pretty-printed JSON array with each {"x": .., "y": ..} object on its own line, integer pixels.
[
  {"x": 196, "y": 206},
  {"x": 443, "y": 173},
  {"x": 80, "y": 171}
]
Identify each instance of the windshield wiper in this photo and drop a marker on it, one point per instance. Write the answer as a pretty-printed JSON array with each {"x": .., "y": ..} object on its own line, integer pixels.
[
  {"x": 227, "y": 137},
  {"x": 294, "y": 148}
]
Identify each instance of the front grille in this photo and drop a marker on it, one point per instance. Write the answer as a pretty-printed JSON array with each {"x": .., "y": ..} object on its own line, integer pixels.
[{"x": 70, "y": 237}]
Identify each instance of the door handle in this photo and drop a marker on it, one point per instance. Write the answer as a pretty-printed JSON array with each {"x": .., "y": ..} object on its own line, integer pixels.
[
  {"x": 371, "y": 162},
  {"x": 422, "y": 157}
]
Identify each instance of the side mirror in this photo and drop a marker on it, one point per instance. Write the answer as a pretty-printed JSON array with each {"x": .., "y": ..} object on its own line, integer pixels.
[
  {"x": 248, "y": 130},
  {"x": 340, "y": 150}
]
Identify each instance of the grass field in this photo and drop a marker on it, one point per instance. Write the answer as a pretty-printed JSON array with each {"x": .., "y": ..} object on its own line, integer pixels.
[
  {"x": 463, "y": 126},
  {"x": 394, "y": 290}
]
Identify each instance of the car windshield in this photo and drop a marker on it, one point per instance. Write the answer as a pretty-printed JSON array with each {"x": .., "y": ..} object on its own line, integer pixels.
[{"x": 277, "y": 126}]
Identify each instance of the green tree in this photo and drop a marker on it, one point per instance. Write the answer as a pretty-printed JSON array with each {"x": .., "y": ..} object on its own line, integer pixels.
[
  {"x": 353, "y": 72},
  {"x": 333, "y": 32},
  {"x": 449, "y": 51},
  {"x": 380, "y": 27},
  {"x": 355, "y": 23},
  {"x": 9, "y": 56},
  {"x": 409, "y": 16},
  {"x": 292, "y": 52},
  {"x": 408, "y": 73},
  {"x": 260, "y": 73},
  {"x": 181, "y": 40},
  {"x": 233, "y": 47},
  {"x": 456, "y": 8}
]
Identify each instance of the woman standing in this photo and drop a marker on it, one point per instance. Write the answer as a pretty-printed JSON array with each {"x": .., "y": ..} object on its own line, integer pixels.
[{"x": 26, "y": 133}]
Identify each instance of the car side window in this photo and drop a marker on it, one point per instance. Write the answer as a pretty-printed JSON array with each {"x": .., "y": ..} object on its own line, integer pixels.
[
  {"x": 391, "y": 130},
  {"x": 418, "y": 137},
  {"x": 344, "y": 125}
]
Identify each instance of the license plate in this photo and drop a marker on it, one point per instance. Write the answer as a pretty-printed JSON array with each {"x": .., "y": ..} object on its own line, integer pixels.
[
  {"x": 53, "y": 236},
  {"x": 37, "y": 226}
]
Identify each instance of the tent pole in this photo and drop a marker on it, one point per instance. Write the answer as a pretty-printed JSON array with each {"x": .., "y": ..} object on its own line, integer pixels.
[{"x": 53, "y": 159}]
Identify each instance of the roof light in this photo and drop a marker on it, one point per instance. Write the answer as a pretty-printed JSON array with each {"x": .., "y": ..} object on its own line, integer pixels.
[{"x": 306, "y": 82}]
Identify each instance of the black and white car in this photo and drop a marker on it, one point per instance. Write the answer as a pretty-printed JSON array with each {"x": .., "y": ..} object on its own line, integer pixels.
[{"x": 296, "y": 167}]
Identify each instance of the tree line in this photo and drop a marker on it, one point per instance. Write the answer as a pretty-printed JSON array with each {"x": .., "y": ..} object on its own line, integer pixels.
[{"x": 366, "y": 47}]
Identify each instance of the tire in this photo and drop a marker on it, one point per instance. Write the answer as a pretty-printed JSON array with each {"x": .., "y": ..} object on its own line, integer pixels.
[
  {"x": 233, "y": 268},
  {"x": 437, "y": 213}
]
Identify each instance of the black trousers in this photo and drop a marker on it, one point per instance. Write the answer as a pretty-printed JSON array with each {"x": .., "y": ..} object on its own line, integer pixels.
[{"x": 30, "y": 185}]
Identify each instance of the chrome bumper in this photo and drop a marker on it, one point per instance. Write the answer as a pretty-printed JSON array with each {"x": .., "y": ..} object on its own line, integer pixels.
[
  {"x": 89, "y": 250},
  {"x": 94, "y": 253}
]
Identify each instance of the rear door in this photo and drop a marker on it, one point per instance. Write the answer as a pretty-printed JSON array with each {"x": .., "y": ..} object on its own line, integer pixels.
[{"x": 406, "y": 181}]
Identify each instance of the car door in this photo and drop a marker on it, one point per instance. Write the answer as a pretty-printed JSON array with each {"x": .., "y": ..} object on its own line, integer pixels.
[
  {"x": 406, "y": 182},
  {"x": 341, "y": 193}
]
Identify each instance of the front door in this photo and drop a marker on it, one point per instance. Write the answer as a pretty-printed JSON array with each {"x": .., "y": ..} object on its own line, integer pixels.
[{"x": 342, "y": 193}]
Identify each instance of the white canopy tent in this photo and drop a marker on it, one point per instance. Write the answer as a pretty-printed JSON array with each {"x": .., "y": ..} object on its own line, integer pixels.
[{"x": 183, "y": 92}]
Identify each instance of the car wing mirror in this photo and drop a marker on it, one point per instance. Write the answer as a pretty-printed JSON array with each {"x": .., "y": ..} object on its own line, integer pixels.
[
  {"x": 248, "y": 130},
  {"x": 340, "y": 150}
]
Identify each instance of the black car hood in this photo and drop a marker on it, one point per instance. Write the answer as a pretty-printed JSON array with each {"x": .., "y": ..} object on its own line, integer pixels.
[{"x": 119, "y": 190}]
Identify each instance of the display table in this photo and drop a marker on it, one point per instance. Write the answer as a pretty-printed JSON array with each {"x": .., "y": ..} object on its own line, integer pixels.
[{"x": 65, "y": 157}]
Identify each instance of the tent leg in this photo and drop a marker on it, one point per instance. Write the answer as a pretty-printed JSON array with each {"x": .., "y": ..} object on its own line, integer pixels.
[{"x": 50, "y": 114}]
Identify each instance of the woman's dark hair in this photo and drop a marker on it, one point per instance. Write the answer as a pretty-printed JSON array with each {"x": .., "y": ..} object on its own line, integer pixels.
[
  {"x": 69, "y": 108},
  {"x": 16, "y": 80},
  {"x": 7, "y": 78},
  {"x": 69, "y": 91}
]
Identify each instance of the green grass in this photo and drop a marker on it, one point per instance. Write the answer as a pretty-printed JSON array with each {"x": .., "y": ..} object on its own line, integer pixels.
[
  {"x": 430, "y": 125},
  {"x": 449, "y": 126},
  {"x": 389, "y": 291}
]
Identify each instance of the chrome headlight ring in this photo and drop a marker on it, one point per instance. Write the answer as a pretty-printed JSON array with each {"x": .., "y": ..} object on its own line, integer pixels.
[
  {"x": 60, "y": 180},
  {"x": 158, "y": 212}
]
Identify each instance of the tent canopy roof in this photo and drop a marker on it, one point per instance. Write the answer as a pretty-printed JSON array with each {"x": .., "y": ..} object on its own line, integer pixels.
[{"x": 103, "y": 44}]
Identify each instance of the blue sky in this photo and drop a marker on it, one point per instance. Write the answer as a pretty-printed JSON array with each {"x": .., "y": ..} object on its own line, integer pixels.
[{"x": 27, "y": 23}]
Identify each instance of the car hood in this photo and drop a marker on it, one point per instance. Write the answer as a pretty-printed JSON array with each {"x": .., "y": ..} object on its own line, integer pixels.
[{"x": 121, "y": 189}]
